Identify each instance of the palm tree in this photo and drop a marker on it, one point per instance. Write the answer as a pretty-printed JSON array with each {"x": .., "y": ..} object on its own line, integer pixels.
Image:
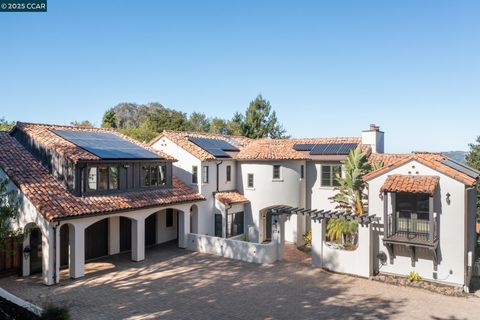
[{"x": 351, "y": 196}]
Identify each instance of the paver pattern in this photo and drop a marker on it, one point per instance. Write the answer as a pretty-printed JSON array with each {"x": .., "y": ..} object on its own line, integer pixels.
[{"x": 177, "y": 284}]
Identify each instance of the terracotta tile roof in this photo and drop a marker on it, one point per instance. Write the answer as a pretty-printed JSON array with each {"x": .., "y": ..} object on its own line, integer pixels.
[
  {"x": 282, "y": 149},
  {"x": 412, "y": 184},
  {"x": 230, "y": 197},
  {"x": 387, "y": 158},
  {"x": 429, "y": 159},
  {"x": 181, "y": 139},
  {"x": 43, "y": 135},
  {"x": 53, "y": 201}
]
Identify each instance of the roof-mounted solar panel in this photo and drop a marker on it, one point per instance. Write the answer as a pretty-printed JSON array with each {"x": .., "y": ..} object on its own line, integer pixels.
[
  {"x": 215, "y": 147},
  {"x": 106, "y": 145},
  {"x": 303, "y": 146},
  {"x": 461, "y": 167},
  {"x": 333, "y": 148}
]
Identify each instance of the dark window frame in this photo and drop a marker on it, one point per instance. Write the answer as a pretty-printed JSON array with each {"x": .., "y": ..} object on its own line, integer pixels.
[
  {"x": 195, "y": 174},
  {"x": 97, "y": 178},
  {"x": 276, "y": 172},
  {"x": 252, "y": 184},
  {"x": 228, "y": 173},
  {"x": 205, "y": 174},
  {"x": 302, "y": 171},
  {"x": 155, "y": 181},
  {"x": 331, "y": 182}
]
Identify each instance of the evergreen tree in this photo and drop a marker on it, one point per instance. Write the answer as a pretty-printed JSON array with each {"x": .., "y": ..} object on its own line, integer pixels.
[
  {"x": 109, "y": 119},
  {"x": 473, "y": 160},
  {"x": 8, "y": 214}
]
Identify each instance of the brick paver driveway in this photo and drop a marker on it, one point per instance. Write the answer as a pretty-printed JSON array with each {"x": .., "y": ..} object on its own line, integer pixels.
[{"x": 178, "y": 284}]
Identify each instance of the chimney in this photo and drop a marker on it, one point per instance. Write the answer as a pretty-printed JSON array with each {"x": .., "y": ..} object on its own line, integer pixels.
[{"x": 374, "y": 138}]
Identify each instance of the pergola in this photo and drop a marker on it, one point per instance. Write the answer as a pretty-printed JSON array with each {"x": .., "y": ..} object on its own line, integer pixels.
[{"x": 317, "y": 215}]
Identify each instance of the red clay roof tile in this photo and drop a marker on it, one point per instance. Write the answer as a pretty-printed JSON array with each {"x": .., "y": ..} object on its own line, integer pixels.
[{"x": 412, "y": 184}]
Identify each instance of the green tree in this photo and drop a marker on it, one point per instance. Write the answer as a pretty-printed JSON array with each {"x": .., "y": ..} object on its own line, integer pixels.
[
  {"x": 8, "y": 214},
  {"x": 260, "y": 121},
  {"x": 473, "y": 160},
  {"x": 6, "y": 125},
  {"x": 82, "y": 124},
  {"x": 351, "y": 194},
  {"x": 198, "y": 122},
  {"x": 109, "y": 119},
  {"x": 219, "y": 126}
]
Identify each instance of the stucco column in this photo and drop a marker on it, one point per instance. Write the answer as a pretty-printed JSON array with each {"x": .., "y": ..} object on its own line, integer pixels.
[
  {"x": 138, "y": 239},
  {"x": 76, "y": 236},
  {"x": 301, "y": 229},
  {"x": 113, "y": 235},
  {"x": 317, "y": 242},
  {"x": 278, "y": 235},
  {"x": 26, "y": 259},
  {"x": 183, "y": 227},
  {"x": 48, "y": 256}
]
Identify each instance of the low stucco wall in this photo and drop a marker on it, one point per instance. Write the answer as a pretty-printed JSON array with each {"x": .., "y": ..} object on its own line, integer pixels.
[
  {"x": 233, "y": 249},
  {"x": 356, "y": 262}
]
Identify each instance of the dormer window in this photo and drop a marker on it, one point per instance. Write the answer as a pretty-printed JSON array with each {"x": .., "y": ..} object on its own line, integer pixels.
[
  {"x": 154, "y": 175},
  {"x": 102, "y": 178}
]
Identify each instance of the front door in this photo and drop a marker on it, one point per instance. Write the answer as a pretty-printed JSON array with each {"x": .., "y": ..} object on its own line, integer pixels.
[{"x": 36, "y": 251}]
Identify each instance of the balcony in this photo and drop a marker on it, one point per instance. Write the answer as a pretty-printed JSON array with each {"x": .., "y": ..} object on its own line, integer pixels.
[{"x": 413, "y": 230}]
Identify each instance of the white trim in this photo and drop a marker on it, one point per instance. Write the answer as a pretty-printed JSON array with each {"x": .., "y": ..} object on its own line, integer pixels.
[{"x": 20, "y": 302}]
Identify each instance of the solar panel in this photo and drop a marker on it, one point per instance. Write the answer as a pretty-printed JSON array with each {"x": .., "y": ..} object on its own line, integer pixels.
[
  {"x": 333, "y": 148},
  {"x": 106, "y": 145},
  {"x": 303, "y": 146},
  {"x": 461, "y": 167},
  {"x": 216, "y": 147}
]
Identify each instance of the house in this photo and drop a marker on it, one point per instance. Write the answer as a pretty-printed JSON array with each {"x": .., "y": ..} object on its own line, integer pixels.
[
  {"x": 86, "y": 193},
  {"x": 423, "y": 204}
]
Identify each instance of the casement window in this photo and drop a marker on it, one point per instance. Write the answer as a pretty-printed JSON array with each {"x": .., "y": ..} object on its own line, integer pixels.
[
  {"x": 329, "y": 175},
  {"x": 250, "y": 182},
  {"x": 229, "y": 173},
  {"x": 154, "y": 175},
  {"x": 205, "y": 174},
  {"x": 276, "y": 172},
  {"x": 235, "y": 224},
  {"x": 169, "y": 217},
  {"x": 102, "y": 178},
  {"x": 302, "y": 171},
  {"x": 194, "y": 174},
  {"x": 92, "y": 178}
]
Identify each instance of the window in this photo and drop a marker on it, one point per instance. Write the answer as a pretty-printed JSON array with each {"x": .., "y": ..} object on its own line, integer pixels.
[
  {"x": 276, "y": 172},
  {"x": 412, "y": 205},
  {"x": 92, "y": 178},
  {"x": 205, "y": 174},
  {"x": 194, "y": 174},
  {"x": 329, "y": 175},
  {"x": 229, "y": 173},
  {"x": 154, "y": 175},
  {"x": 250, "y": 180},
  {"x": 169, "y": 217},
  {"x": 113, "y": 178},
  {"x": 234, "y": 224},
  {"x": 302, "y": 171},
  {"x": 102, "y": 178}
]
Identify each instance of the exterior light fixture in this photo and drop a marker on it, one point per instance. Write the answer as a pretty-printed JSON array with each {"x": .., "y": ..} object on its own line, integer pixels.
[
  {"x": 380, "y": 195},
  {"x": 26, "y": 252},
  {"x": 448, "y": 198}
]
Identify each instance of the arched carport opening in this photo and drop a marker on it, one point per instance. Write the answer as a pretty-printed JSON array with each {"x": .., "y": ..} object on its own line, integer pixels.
[
  {"x": 33, "y": 248},
  {"x": 96, "y": 240},
  {"x": 194, "y": 219},
  {"x": 67, "y": 241}
]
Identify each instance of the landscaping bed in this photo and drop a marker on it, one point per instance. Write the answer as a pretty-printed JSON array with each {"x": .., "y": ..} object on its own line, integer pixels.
[
  {"x": 11, "y": 311},
  {"x": 422, "y": 284}
]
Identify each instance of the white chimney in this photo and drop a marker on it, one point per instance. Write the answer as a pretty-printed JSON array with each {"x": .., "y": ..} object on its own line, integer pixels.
[{"x": 374, "y": 138}]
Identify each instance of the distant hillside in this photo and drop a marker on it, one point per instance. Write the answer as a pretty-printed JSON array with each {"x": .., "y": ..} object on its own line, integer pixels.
[{"x": 456, "y": 155}]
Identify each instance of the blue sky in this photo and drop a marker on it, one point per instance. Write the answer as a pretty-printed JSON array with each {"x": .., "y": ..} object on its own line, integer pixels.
[{"x": 329, "y": 68}]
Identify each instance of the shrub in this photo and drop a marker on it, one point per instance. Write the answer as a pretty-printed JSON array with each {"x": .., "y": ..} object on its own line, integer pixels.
[
  {"x": 413, "y": 276},
  {"x": 52, "y": 312},
  {"x": 307, "y": 239}
]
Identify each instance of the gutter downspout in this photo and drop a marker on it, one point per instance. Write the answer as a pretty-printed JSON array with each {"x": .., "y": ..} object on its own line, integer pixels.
[
  {"x": 218, "y": 178},
  {"x": 226, "y": 218},
  {"x": 468, "y": 269}
]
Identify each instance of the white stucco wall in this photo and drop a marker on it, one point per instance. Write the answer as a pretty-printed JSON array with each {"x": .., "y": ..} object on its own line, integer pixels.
[
  {"x": 452, "y": 249},
  {"x": 233, "y": 249},
  {"x": 288, "y": 190}
]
